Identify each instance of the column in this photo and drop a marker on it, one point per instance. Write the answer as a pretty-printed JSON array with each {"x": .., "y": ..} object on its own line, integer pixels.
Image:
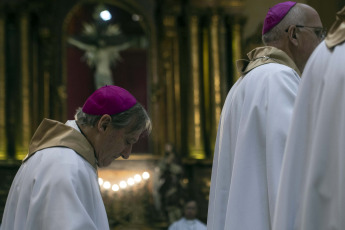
[
  {"x": 236, "y": 46},
  {"x": 195, "y": 132},
  {"x": 215, "y": 80},
  {"x": 23, "y": 143},
  {"x": 170, "y": 51},
  {"x": 3, "y": 138}
]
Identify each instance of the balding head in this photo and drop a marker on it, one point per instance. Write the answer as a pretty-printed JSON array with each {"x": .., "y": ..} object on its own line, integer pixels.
[
  {"x": 293, "y": 17},
  {"x": 294, "y": 34}
]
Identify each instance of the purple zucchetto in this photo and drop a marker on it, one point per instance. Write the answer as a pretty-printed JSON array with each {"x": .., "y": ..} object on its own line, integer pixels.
[
  {"x": 275, "y": 14},
  {"x": 109, "y": 100}
]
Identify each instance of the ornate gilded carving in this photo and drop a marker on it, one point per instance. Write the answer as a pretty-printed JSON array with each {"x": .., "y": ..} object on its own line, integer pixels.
[
  {"x": 3, "y": 138},
  {"x": 231, "y": 4},
  {"x": 236, "y": 46},
  {"x": 22, "y": 145},
  {"x": 172, "y": 81},
  {"x": 216, "y": 79},
  {"x": 195, "y": 140},
  {"x": 46, "y": 92}
]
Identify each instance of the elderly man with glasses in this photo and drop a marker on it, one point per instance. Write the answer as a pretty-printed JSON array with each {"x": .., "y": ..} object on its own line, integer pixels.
[{"x": 255, "y": 120}]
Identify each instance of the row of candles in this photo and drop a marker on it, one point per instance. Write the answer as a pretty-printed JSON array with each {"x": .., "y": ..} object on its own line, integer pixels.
[{"x": 137, "y": 178}]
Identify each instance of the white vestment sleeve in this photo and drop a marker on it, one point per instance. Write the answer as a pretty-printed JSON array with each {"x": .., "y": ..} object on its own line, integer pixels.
[{"x": 62, "y": 193}]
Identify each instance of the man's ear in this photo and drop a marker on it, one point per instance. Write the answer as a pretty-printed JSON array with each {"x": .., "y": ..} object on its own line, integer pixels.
[
  {"x": 103, "y": 122},
  {"x": 292, "y": 34}
]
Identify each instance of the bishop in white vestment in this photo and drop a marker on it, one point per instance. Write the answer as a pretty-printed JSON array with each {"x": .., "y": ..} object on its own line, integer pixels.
[
  {"x": 56, "y": 187},
  {"x": 255, "y": 120}
]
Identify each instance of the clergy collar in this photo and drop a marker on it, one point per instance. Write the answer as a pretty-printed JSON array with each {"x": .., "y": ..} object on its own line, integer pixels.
[
  {"x": 336, "y": 34},
  {"x": 265, "y": 55},
  {"x": 55, "y": 134}
]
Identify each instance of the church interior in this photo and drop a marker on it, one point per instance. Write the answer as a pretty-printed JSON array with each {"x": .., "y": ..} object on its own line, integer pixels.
[{"x": 177, "y": 57}]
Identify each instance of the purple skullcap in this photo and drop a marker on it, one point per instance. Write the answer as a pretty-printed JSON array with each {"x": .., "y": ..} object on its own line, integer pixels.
[
  {"x": 276, "y": 14},
  {"x": 109, "y": 100}
]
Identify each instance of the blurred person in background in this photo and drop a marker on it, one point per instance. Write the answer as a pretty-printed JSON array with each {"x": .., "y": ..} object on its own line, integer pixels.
[{"x": 189, "y": 221}]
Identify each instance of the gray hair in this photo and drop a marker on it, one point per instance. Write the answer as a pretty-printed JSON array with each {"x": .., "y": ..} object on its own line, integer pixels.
[
  {"x": 136, "y": 117},
  {"x": 294, "y": 17}
]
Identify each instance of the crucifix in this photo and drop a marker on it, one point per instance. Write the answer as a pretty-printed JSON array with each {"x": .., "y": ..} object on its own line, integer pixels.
[{"x": 102, "y": 44}]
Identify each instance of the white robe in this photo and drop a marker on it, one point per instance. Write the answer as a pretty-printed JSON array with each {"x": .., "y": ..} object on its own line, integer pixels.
[
  {"x": 184, "y": 224},
  {"x": 55, "y": 189},
  {"x": 312, "y": 190},
  {"x": 249, "y": 149}
]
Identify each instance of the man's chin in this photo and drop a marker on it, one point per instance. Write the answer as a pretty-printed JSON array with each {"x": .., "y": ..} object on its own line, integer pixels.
[
  {"x": 107, "y": 162},
  {"x": 104, "y": 164}
]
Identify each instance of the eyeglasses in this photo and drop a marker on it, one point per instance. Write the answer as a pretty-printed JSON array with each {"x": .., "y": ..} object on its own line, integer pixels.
[{"x": 319, "y": 31}]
